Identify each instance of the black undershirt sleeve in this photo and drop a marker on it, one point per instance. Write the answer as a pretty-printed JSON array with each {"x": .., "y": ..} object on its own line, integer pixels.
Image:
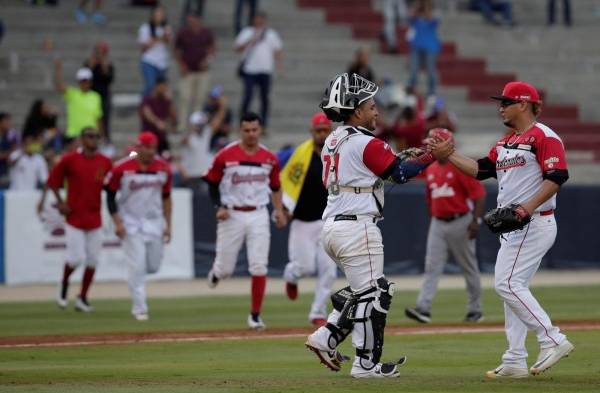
[
  {"x": 215, "y": 194},
  {"x": 558, "y": 176},
  {"x": 111, "y": 201},
  {"x": 487, "y": 168}
]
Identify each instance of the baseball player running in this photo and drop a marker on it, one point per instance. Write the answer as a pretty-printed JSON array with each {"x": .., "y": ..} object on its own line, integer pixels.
[
  {"x": 355, "y": 165},
  {"x": 456, "y": 202},
  {"x": 141, "y": 214},
  {"x": 241, "y": 178},
  {"x": 530, "y": 166},
  {"x": 81, "y": 172},
  {"x": 305, "y": 196}
]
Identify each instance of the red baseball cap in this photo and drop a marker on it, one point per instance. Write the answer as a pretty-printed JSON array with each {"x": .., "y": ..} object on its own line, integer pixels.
[
  {"x": 147, "y": 138},
  {"x": 519, "y": 91},
  {"x": 441, "y": 133},
  {"x": 320, "y": 119}
]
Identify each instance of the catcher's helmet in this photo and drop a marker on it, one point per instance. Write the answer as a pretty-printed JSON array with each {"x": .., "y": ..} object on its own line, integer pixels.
[{"x": 345, "y": 94}]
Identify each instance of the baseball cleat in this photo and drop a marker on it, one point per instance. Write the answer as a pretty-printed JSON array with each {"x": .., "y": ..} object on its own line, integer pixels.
[
  {"x": 256, "y": 323},
  {"x": 83, "y": 306},
  {"x": 548, "y": 357},
  {"x": 62, "y": 302},
  {"x": 506, "y": 372},
  {"x": 331, "y": 359},
  {"x": 381, "y": 370},
  {"x": 474, "y": 317},
  {"x": 418, "y": 315},
  {"x": 213, "y": 280},
  {"x": 141, "y": 317},
  {"x": 291, "y": 290}
]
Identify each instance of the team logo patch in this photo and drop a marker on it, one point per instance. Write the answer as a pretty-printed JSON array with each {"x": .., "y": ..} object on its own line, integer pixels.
[
  {"x": 551, "y": 160},
  {"x": 531, "y": 139},
  {"x": 524, "y": 147},
  {"x": 511, "y": 162},
  {"x": 333, "y": 142}
]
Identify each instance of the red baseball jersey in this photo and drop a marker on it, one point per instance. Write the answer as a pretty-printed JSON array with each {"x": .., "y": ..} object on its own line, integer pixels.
[
  {"x": 141, "y": 193},
  {"x": 244, "y": 179},
  {"x": 83, "y": 179},
  {"x": 521, "y": 162},
  {"x": 449, "y": 191}
]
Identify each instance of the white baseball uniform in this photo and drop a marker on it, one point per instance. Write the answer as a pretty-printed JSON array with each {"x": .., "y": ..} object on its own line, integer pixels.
[
  {"x": 245, "y": 184},
  {"x": 140, "y": 203},
  {"x": 521, "y": 163}
]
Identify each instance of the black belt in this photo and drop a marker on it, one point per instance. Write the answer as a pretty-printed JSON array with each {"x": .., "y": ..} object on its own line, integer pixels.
[
  {"x": 452, "y": 217},
  {"x": 348, "y": 217}
]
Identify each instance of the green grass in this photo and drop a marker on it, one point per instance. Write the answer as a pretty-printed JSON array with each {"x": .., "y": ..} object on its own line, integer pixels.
[
  {"x": 229, "y": 312},
  {"x": 441, "y": 363},
  {"x": 437, "y": 363}
]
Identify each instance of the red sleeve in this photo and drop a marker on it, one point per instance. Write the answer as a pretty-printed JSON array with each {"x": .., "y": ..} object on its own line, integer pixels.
[
  {"x": 275, "y": 183},
  {"x": 215, "y": 172},
  {"x": 493, "y": 153},
  {"x": 378, "y": 156},
  {"x": 551, "y": 154},
  {"x": 113, "y": 179},
  {"x": 166, "y": 190},
  {"x": 56, "y": 179},
  {"x": 475, "y": 189}
]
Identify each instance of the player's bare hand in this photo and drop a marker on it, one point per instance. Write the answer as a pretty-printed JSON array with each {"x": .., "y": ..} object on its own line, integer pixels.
[
  {"x": 441, "y": 149},
  {"x": 280, "y": 218},
  {"x": 120, "y": 230},
  {"x": 167, "y": 234},
  {"x": 222, "y": 214},
  {"x": 63, "y": 209},
  {"x": 40, "y": 208},
  {"x": 473, "y": 229}
]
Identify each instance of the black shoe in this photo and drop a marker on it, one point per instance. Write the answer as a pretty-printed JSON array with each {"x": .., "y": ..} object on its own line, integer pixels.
[
  {"x": 474, "y": 317},
  {"x": 418, "y": 315}
]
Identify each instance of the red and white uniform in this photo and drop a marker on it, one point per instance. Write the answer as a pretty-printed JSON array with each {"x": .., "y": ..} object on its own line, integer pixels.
[
  {"x": 140, "y": 205},
  {"x": 83, "y": 179},
  {"x": 521, "y": 162},
  {"x": 245, "y": 184}
]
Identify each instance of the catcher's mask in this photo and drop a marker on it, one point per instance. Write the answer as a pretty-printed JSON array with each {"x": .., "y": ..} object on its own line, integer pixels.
[{"x": 345, "y": 94}]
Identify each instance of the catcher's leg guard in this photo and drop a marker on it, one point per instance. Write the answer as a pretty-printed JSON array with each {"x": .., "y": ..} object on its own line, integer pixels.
[{"x": 369, "y": 323}]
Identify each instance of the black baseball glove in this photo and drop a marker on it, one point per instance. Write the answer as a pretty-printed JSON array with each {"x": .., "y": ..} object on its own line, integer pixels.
[{"x": 507, "y": 219}]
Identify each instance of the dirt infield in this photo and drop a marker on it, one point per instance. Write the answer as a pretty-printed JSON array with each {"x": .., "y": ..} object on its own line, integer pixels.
[{"x": 172, "y": 337}]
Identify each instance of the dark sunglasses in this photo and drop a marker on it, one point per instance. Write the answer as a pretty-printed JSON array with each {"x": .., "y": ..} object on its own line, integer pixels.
[
  {"x": 92, "y": 136},
  {"x": 505, "y": 103}
]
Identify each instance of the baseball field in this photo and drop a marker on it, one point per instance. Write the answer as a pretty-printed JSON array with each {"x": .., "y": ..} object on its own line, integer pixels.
[{"x": 201, "y": 344}]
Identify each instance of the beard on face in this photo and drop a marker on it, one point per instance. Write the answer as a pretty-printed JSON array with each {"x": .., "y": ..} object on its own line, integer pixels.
[{"x": 508, "y": 124}]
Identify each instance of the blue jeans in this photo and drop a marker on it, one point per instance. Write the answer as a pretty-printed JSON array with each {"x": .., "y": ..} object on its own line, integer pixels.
[
  {"x": 264, "y": 85},
  {"x": 239, "y": 5},
  {"x": 150, "y": 74},
  {"x": 417, "y": 58}
]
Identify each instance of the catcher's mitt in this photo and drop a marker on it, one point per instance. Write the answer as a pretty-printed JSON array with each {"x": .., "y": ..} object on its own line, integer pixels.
[
  {"x": 409, "y": 153},
  {"x": 507, "y": 219}
]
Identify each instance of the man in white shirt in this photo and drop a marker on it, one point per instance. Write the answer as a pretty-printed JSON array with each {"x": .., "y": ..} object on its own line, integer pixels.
[
  {"x": 28, "y": 168},
  {"x": 261, "y": 49}
]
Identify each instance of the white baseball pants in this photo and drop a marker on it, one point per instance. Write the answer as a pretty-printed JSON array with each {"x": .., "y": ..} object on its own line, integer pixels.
[
  {"x": 82, "y": 247},
  {"x": 252, "y": 227},
  {"x": 307, "y": 257},
  {"x": 519, "y": 258},
  {"x": 144, "y": 255}
]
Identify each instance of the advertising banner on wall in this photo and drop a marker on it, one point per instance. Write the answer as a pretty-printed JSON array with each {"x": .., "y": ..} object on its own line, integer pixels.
[{"x": 35, "y": 242}]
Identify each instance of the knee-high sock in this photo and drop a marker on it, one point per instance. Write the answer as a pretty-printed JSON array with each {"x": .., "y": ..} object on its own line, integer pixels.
[
  {"x": 88, "y": 276},
  {"x": 65, "y": 280},
  {"x": 259, "y": 284}
]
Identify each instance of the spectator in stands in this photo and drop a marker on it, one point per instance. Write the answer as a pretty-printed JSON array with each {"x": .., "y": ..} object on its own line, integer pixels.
[
  {"x": 103, "y": 73},
  {"x": 239, "y": 5},
  {"x": 81, "y": 16},
  {"x": 424, "y": 44},
  {"x": 361, "y": 65},
  {"x": 9, "y": 141},
  {"x": 566, "y": 8},
  {"x": 192, "y": 7},
  {"x": 84, "y": 106},
  {"x": 261, "y": 48},
  {"x": 154, "y": 37},
  {"x": 195, "y": 153},
  {"x": 41, "y": 117},
  {"x": 438, "y": 116},
  {"x": 394, "y": 13},
  {"x": 489, "y": 7},
  {"x": 409, "y": 128},
  {"x": 221, "y": 134},
  {"x": 158, "y": 114},
  {"x": 194, "y": 48},
  {"x": 28, "y": 168}
]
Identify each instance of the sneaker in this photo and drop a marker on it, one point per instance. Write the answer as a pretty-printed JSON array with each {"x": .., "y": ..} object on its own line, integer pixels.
[
  {"x": 506, "y": 372},
  {"x": 83, "y": 306},
  {"x": 418, "y": 315},
  {"x": 141, "y": 316},
  {"x": 80, "y": 16},
  {"x": 381, "y": 370},
  {"x": 256, "y": 323},
  {"x": 474, "y": 317},
  {"x": 61, "y": 299},
  {"x": 213, "y": 280},
  {"x": 548, "y": 357},
  {"x": 331, "y": 359},
  {"x": 291, "y": 290},
  {"x": 318, "y": 322}
]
